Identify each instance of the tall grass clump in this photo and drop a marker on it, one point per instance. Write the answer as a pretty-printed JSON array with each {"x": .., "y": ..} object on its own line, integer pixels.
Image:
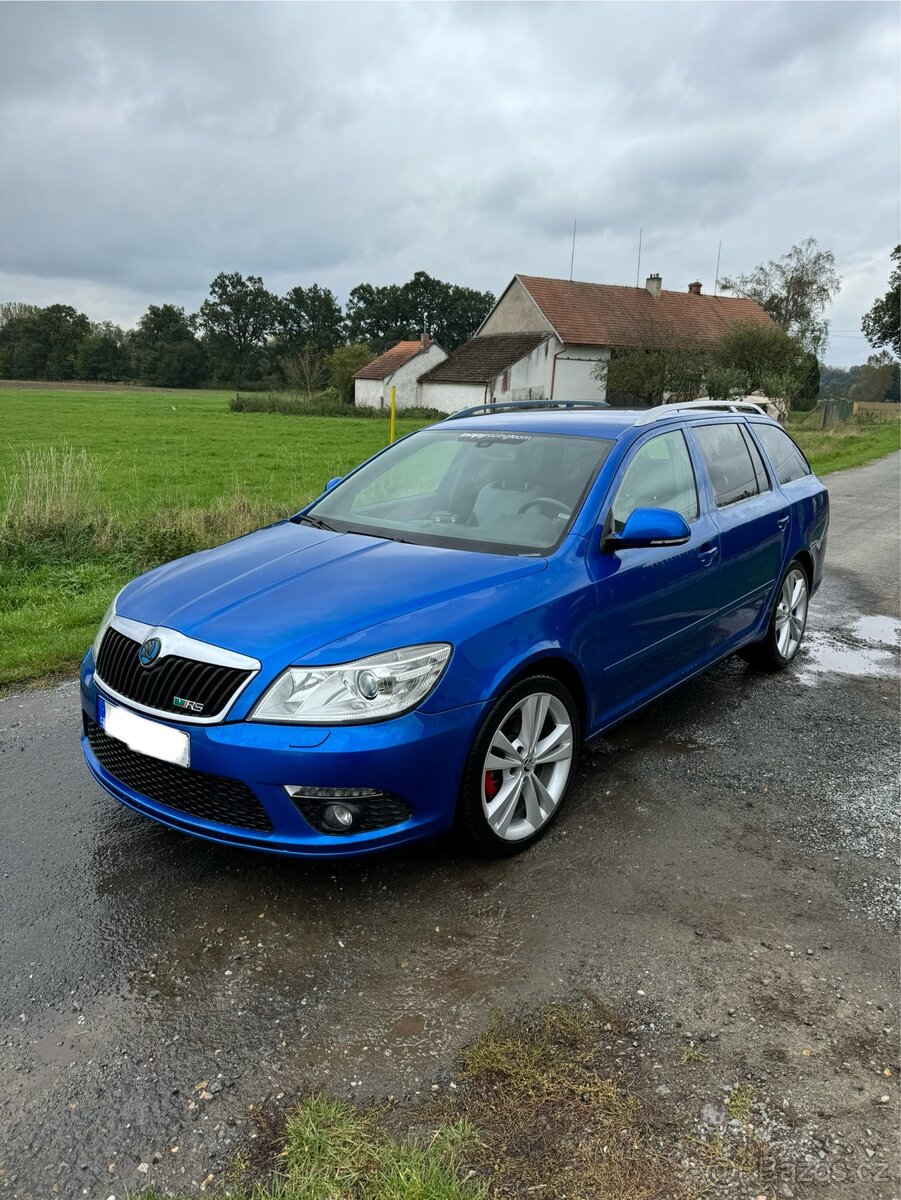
[
  {"x": 51, "y": 498},
  {"x": 174, "y": 532},
  {"x": 52, "y": 511}
]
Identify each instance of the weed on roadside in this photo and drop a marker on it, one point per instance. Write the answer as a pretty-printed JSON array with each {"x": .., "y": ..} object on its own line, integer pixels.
[{"x": 693, "y": 1055}]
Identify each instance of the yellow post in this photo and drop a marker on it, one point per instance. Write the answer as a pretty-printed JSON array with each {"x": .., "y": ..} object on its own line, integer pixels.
[{"x": 391, "y": 422}]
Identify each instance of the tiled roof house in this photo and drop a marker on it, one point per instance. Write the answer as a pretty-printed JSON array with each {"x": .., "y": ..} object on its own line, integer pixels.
[
  {"x": 401, "y": 367},
  {"x": 566, "y": 329}
]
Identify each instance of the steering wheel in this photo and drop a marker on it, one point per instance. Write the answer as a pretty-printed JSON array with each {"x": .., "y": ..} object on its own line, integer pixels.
[{"x": 560, "y": 509}]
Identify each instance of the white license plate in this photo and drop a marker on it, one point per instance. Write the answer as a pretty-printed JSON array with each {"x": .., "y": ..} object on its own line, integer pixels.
[{"x": 143, "y": 736}]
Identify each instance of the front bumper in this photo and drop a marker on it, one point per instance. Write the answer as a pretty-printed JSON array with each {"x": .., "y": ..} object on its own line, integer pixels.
[{"x": 418, "y": 757}]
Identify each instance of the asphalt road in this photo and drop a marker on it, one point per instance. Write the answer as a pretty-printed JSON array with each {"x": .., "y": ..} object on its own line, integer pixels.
[{"x": 725, "y": 871}]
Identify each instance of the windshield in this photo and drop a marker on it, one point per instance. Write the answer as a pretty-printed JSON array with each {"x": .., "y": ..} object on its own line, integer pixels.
[{"x": 501, "y": 492}]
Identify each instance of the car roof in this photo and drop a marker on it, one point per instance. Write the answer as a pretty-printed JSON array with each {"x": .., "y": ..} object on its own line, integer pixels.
[{"x": 599, "y": 423}]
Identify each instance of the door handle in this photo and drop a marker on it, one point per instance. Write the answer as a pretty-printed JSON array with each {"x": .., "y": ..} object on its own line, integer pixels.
[
  {"x": 708, "y": 554},
  {"x": 783, "y": 521}
]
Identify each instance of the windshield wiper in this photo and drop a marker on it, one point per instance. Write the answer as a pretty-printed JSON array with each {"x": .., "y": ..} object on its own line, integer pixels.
[
  {"x": 317, "y": 522},
  {"x": 386, "y": 537}
]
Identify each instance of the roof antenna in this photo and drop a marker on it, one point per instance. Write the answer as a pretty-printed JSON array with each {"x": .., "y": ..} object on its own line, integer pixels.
[
  {"x": 572, "y": 256},
  {"x": 716, "y": 278},
  {"x": 638, "y": 267}
]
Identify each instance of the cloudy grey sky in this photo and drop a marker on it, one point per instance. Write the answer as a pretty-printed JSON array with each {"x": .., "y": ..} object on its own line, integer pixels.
[{"x": 146, "y": 147}]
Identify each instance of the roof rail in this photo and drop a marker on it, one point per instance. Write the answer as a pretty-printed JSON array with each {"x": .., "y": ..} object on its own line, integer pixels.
[
  {"x": 662, "y": 411},
  {"x": 481, "y": 410}
]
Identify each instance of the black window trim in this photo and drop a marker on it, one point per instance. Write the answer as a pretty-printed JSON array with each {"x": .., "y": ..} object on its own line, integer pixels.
[{"x": 768, "y": 474}]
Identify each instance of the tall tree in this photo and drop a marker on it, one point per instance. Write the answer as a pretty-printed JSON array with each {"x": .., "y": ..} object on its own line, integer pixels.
[
  {"x": 13, "y": 310},
  {"x": 381, "y": 316},
  {"x": 343, "y": 363},
  {"x": 378, "y": 315},
  {"x": 660, "y": 363},
  {"x": 878, "y": 381},
  {"x": 102, "y": 357},
  {"x": 309, "y": 316},
  {"x": 795, "y": 290},
  {"x": 43, "y": 344},
  {"x": 237, "y": 319},
  {"x": 882, "y": 324},
  {"x": 166, "y": 350},
  {"x": 751, "y": 357}
]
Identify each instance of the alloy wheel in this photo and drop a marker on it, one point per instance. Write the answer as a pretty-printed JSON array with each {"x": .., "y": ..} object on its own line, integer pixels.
[
  {"x": 791, "y": 613},
  {"x": 527, "y": 766}
]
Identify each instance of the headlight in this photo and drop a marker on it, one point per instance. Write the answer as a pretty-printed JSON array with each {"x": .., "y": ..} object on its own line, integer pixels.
[
  {"x": 383, "y": 685},
  {"x": 105, "y": 624}
]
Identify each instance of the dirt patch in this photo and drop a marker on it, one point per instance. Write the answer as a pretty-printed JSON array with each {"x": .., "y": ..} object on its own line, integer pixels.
[{"x": 577, "y": 1101}]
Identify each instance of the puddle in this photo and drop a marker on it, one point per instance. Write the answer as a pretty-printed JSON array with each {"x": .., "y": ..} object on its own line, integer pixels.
[{"x": 868, "y": 648}]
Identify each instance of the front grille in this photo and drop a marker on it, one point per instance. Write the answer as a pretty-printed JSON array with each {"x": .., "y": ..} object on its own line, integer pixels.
[
  {"x": 377, "y": 811},
  {"x": 169, "y": 678},
  {"x": 211, "y": 797}
]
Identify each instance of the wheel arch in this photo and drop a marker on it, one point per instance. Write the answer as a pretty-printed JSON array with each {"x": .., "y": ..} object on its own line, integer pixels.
[
  {"x": 560, "y": 668},
  {"x": 805, "y": 559}
]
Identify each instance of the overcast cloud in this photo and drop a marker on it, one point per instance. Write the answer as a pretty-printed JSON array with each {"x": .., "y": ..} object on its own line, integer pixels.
[{"x": 146, "y": 147}]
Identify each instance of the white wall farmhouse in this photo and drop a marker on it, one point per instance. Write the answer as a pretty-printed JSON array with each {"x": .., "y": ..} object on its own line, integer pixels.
[
  {"x": 585, "y": 322},
  {"x": 546, "y": 371},
  {"x": 516, "y": 312},
  {"x": 376, "y": 393},
  {"x": 451, "y": 397},
  {"x": 574, "y": 378},
  {"x": 369, "y": 393}
]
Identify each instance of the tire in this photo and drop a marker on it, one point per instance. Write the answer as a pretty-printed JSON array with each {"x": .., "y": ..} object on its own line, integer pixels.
[
  {"x": 504, "y": 809},
  {"x": 788, "y": 621}
]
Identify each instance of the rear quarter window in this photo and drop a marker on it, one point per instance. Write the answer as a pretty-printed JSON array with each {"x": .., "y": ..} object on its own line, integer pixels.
[{"x": 788, "y": 462}]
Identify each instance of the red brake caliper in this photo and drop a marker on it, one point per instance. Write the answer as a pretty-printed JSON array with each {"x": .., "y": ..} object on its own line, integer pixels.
[{"x": 492, "y": 784}]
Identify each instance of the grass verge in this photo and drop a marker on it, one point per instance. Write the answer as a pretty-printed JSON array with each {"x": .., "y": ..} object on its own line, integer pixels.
[
  {"x": 545, "y": 1105},
  {"x": 842, "y": 446}
]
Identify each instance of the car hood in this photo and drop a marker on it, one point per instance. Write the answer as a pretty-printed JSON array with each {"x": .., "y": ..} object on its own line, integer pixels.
[{"x": 287, "y": 590}]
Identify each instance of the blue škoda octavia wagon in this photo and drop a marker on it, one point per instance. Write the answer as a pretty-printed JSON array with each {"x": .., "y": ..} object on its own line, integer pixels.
[{"x": 434, "y": 637}]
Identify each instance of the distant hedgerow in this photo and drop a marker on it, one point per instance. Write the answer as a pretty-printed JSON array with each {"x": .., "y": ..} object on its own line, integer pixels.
[{"x": 322, "y": 404}]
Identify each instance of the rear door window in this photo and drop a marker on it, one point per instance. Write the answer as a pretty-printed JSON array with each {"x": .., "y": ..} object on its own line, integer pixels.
[
  {"x": 788, "y": 461},
  {"x": 728, "y": 462}
]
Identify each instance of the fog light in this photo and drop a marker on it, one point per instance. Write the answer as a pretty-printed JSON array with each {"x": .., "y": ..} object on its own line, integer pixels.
[{"x": 339, "y": 818}]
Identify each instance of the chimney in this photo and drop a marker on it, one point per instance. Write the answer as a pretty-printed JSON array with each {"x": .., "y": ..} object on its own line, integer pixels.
[
  {"x": 424, "y": 339},
  {"x": 695, "y": 288},
  {"x": 654, "y": 285}
]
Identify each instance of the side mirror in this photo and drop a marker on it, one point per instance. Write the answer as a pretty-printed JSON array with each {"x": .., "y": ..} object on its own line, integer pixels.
[
  {"x": 333, "y": 482},
  {"x": 647, "y": 527}
]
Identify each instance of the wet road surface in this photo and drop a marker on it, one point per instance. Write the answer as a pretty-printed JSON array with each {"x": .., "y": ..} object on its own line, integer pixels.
[{"x": 153, "y": 986}]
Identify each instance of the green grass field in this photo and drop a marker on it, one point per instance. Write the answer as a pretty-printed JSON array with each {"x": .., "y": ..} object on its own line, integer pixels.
[
  {"x": 843, "y": 446},
  {"x": 159, "y": 470},
  {"x": 98, "y": 485},
  {"x": 161, "y": 449}
]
